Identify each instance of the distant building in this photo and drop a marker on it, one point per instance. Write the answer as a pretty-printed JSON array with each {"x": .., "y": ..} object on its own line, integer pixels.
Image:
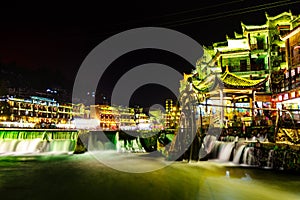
[
  {"x": 34, "y": 112},
  {"x": 120, "y": 118},
  {"x": 108, "y": 116},
  {"x": 172, "y": 114},
  {"x": 157, "y": 119}
]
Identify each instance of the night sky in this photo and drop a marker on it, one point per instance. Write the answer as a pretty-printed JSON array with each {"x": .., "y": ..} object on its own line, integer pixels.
[{"x": 59, "y": 36}]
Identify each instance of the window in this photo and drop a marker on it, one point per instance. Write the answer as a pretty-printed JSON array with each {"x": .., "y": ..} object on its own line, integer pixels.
[
  {"x": 260, "y": 42},
  {"x": 243, "y": 65},
  {"x": 253, "y": 65},
  {"x": 293, "y": 72}
]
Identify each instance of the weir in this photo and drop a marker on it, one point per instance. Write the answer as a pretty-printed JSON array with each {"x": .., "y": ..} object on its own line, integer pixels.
[
  {"x": 113, "y": 140},
  {"x": 37, "y": 141},
  {"x": 236, "y": 152},
  {"x": 256, "y": 154}
]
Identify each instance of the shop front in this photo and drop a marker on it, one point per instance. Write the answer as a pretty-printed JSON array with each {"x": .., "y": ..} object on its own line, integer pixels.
[{"x": 290, "y": 101}]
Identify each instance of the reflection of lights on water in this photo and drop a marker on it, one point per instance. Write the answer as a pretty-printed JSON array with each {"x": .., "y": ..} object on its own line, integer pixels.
[
  {"x": 247, "y": 177},
  {"x": 227, "y": 174}
]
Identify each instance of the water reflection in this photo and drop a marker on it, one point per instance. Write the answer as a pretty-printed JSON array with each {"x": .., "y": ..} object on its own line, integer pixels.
[{"x": 82, "y": 177}]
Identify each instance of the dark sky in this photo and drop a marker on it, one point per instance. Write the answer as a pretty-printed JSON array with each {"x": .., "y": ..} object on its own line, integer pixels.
[{"x": 60, "y": 35}]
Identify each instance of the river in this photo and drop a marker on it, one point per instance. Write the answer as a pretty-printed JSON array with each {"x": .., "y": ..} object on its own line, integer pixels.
[{"x": 84, "y": 177}]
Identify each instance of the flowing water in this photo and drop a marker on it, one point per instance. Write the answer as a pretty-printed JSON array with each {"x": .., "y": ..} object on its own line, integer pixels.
[
  {"x": 84, "y": 177},
  {"x": 34, "y": 174},
  {"x": 248, "y": 156},
  {"x": 23, "y": 142},
  {"x": 225, "y": 151},
  {"x": 239, "y": 152}
]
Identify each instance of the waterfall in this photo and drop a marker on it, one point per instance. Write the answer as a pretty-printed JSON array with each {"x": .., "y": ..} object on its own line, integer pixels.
[
  {"x": 225, "y": 151},
  {"x": 215, "y": 149},
  {"x": 108, "y": 140},
  {"x": 61, "y": 146},
  {"x": 137, "y": 146},
  {"x": 23, "y": 142},
  {"x": 7, "y": 146},
  {"x": 15, "y": 146},
  {"x": 28, "y": 146},
  {"x": 222, "y": 150},
  {"x": 118, "y": 142},
  {"x": 270, "y": 159},
  {"x": 248, "y": 157},
  {"x": 120, "y": 146},
  {"x": 238, "y": 154},
  {"x": 209, "y": 146},
  {"x": 242, "y": 154}
]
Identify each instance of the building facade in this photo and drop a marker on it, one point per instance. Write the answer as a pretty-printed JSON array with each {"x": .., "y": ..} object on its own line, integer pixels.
[
  {"x": 248, "y": 72},
  {"x": 172, "y": 114},
  {"x": 34, "y": 112},
  {"x": 288, "y": 96}
]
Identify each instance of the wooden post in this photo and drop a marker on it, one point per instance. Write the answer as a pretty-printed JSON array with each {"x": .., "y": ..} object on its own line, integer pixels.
[{"x": 222, "y": 107}]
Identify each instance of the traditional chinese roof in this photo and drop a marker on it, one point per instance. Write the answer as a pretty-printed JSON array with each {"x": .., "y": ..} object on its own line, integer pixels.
[
  {"x": 254, "y": 27},
  {"x": 227, "y": 80},
  {"x": 238, "y": 35},
  {"x": 231, "y": 80},
  {"x": 206, "y": 85},
  {"x": 279, "y": 16}
]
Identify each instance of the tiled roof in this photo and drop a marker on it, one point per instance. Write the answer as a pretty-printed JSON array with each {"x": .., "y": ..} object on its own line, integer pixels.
[
  {"x": 229, "y": 80},
  {"x": 232, "y": 80}
]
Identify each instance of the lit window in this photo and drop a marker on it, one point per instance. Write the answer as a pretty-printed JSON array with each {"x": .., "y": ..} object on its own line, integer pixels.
[
  {"x": 293, "y": 72},
  {"x": 293, "y": 95}
]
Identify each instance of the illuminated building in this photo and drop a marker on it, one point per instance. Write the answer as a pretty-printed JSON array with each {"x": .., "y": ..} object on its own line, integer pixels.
[
  {"x": 250, "y": 57},
  {"x": 143, "y": 121},
  {"x": 169, "y": 105},
  {"x": 108, "y": 116},
  {"x": 255, "y": 52},
  {"x": 216, "y": 91},
  {"x": 127, "y": 118},
  {"x": 288, "y": 96},
  {"x": 41, "y": 112},
  {"x": 34, "y": 112},
  {"x": 119, "y": 118},
  {"x": 172, "y": 114},
  {"x": 157, "y": 119},
  {"x": 237, "y": 72}
]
